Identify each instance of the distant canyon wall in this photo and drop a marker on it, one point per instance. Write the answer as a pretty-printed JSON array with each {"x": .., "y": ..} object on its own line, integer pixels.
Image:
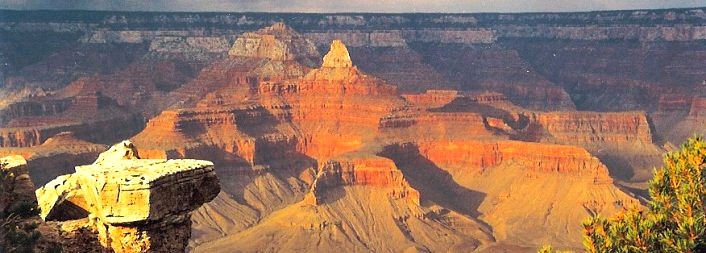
[{"x": 377, "y": 30}]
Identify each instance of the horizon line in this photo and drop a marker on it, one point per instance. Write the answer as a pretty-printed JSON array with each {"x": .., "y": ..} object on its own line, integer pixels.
[{"x": 347, "y": 13}]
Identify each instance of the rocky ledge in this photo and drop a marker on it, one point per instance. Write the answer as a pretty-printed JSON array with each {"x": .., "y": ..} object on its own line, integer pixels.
[{"x": 135, "y": 205}]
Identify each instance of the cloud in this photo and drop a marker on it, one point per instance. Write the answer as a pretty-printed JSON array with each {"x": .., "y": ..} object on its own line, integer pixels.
[{"x": 351, "y": 5}]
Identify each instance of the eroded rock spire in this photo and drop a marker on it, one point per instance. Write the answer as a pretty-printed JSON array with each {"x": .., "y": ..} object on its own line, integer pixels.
[{"x": 337, "y": 56}]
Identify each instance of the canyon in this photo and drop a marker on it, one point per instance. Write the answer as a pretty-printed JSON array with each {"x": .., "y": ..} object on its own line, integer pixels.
[{"x": 286, "y": 132}]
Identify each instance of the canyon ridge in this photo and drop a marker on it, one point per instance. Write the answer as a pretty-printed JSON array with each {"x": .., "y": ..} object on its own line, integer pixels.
[{"x": 292, "y": 132}]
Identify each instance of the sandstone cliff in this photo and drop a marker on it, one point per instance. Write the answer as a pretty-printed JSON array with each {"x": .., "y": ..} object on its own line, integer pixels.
[
  {"x": 503, "y": 184},
  {"x": 372, "y": 172}
]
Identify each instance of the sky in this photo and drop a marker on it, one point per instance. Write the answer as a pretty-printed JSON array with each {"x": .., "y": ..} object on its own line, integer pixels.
[{"x": 454, "y": 6}]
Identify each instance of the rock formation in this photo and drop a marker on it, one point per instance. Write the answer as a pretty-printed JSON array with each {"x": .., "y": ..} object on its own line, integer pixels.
[
  {"x": 57, "y": 156},
  {"x": 588, "y": 128},
  {"x": 337, "y": 56},
  {"x": 322, "y": 134},
  {"x": 375, "y": 172},
  {"x": 81, "y": 109},
  {"x": 543, "y": 158},
  {"x": 136, "y": 205},
  {"x": 415, "y": 132},
  {"x": 277, "y": 42}
]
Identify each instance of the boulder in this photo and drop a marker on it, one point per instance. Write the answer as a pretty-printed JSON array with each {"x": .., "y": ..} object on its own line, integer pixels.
[{"x": 136, "y": 205}]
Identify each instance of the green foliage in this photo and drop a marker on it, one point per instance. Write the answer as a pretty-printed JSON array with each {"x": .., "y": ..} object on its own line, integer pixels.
[
  {"x": 546, "y": 249},
  {"x": 21, "y": 238},
  {"x": 17, "y": 234},
  {"x": 675, "y": 221},
  {"x": 550, "y": 249},
  {"x": 676, "y": 218}
]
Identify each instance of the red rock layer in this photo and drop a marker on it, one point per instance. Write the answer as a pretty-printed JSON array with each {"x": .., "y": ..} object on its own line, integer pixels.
[
  {"x": 436, "y": 126},
  {"x": 439, "y": 98},
  {"x": 476, "y": 156},
  {"x": 246, "y": 132},
  {"x": 591, "y": 127},
  {"x": 78, "y": 108},
  {"x": 371, "y": 171},
  {"x": 88, "y": 114},
  {"x": 337, "y": 107}
]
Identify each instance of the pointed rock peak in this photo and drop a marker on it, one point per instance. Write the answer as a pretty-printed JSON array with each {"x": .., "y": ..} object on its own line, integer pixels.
[
  {"x": 337, "y": 56},
  {"x": 124, "y": 150}
]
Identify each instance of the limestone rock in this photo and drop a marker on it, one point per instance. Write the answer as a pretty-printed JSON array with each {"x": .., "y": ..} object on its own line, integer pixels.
[
  {"x": 338, "y": 56},
  {"x": 136, "y": 205},
  {"x": 277, "y": 42}
]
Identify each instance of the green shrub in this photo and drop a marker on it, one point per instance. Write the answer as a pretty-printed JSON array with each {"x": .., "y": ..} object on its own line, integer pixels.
[
  {"x": 675, "y": 219},
  {"x": 17, "y": 235}
]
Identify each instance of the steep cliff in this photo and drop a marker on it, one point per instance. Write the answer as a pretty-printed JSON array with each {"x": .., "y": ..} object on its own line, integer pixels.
[
  {"x": 18, "y": 208},
  {"x": 503, "y": 183},
  {"x": 375, "y": 172},
  {"x": 623, "y": 140}
]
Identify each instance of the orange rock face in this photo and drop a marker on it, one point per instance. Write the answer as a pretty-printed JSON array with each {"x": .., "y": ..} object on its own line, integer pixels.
[
  {"x": 372, "y": 172},
  {"x": 587, "y": 127},
  {"x": 439, "y": 98},
  {"x": 534, "y": 157}
]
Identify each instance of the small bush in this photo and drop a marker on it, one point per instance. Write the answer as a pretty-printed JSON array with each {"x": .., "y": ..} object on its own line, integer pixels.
[{"x": 675, "y": 220}]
